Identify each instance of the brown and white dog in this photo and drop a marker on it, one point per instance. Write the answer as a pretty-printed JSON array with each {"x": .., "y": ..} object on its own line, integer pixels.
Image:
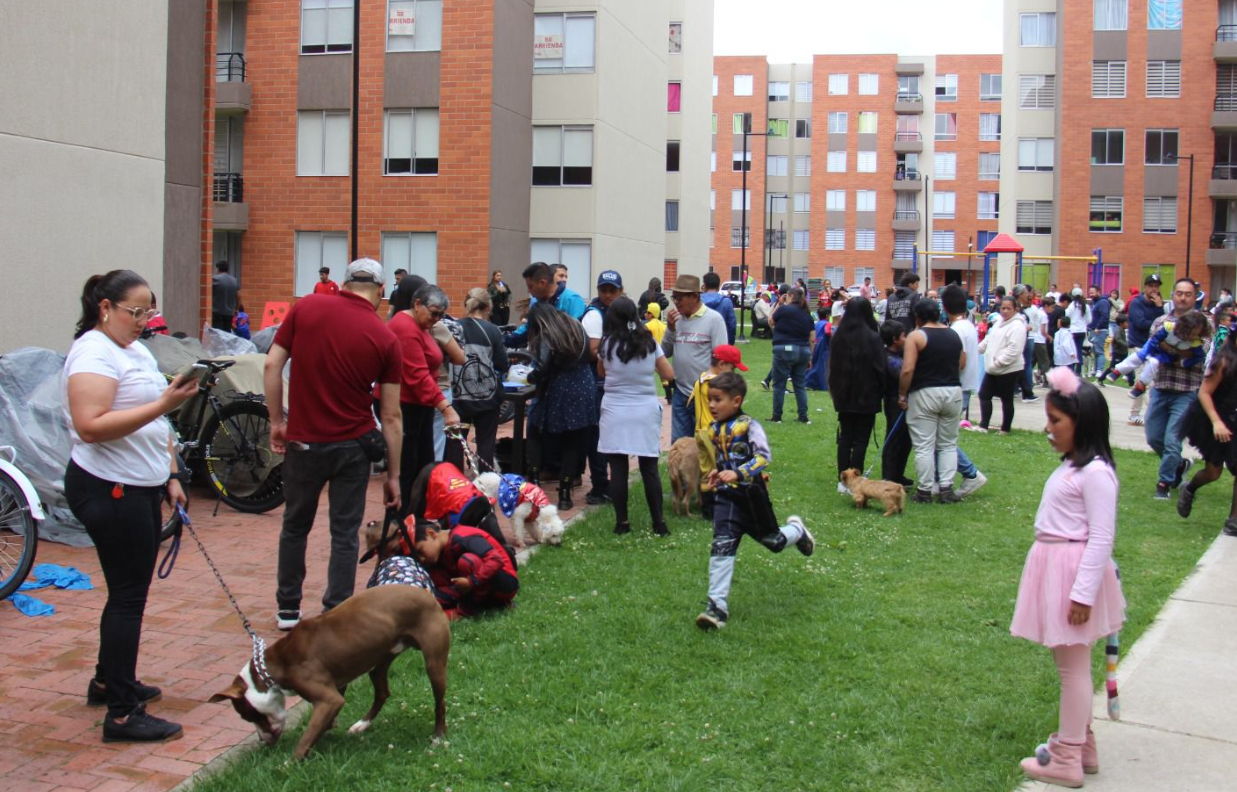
[
  {"x": 684, "y": 464},
  {"x": 324, "y": 653},
  {"x": 862, "y": 489}
]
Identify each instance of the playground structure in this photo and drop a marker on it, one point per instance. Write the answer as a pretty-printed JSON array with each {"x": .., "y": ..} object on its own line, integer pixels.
[{"x": 1040, "y": 272}]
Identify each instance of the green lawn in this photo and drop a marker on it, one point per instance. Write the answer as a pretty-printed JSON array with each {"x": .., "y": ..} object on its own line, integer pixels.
[{"x": 884, "y": 662}]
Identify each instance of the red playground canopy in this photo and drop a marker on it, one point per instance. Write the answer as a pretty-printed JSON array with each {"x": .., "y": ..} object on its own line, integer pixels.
[{"x": 1003, "y": 243}]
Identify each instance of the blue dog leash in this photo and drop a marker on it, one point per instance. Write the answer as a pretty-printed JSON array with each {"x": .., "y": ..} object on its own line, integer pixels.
[{"x": 169, "y": 558}]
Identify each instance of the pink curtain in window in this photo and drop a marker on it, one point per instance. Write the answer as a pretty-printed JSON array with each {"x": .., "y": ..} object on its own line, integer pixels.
[{"x": 675, "y": 95}]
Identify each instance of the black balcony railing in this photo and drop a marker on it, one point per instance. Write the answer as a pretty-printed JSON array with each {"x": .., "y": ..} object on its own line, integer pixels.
[
  {"x": 905, "y": 174},
  {"x": 906, "y": 214},
  {"x": 1226, "y": 33},
  {"x": 229, "y": 188},
  {"x": 904, "y": 136},
  {"x": 230, "y": 67},
  {"x": 1223, "y": 240},
  {"x": 910, "y": 97},
  {"x": 1225, "y": 171},
  {"x": 1226, "y": 102}
]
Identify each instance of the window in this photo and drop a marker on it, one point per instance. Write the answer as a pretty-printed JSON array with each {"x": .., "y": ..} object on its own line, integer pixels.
[
  {"x": 907, "y": 127},
  {"x": 803, "y": 165},
  {"x": 777, "y": 204},
  {"x": 736, "y": 161},
  {"x": 715, "y": 85},
  {"x": 779, "y": 128},
  {"x": 835, "y": 162},
  {"x": 989, "y": 126},
  {"x": 802, "y": 237},
  {"x": 946, "y": 87},
  {"x": 989, "y": 166},
  {"x": 943, "y": 241},
  {"x": 779, "y": 92},
  {"x": 562, "y": 156},
  {"x": 908, "y": 87},
  {"x": 803, "y": 92},
  {"x": 676, "y": 37},
  {"x": 1161, "y": 147},
  {"x": 835, "y": 200},
  {"x": 414, "y": 25},
  {"x": 775, "y": 239},
  {"x": 1159, "y": 215},
  {"x": 1037, "y": 30},
  {"x": 1108, "y": 79},
  {"x": 326, "y": 26},
  {"x": 865, "y": 239},
  {"x": 410, "y": 142},
  {"x": 990, "y": 87},
  {"x": 575, "y": 253},
  {"x": 738, "y": 239},
  {"x": 1037, "y": 91},
  {"x": 777, "y": 165},
  {"x": 741, "y": 122},
  {"x": 867, "y": 123},
  {"x": 904, "y": 245},
  {"x": 946, "y": 126},
  {"x": 563, "y": 42},
  {"x": 672, "y": 156},
  {"x": 741, "y": 199},
  {"x": 865, "y": 162},
  {"x": 317, "y": 249},
  {"x": 1107, "y": 146},
  {"x": 672, "y": 215},
  {"x": 835, "y": 275},
  {"x": 712, "y": 162},
  {"x": 803, "y": 203},
  {"x": 839, "y": 84},
  {"x": 743, "y": 85},
  {"x": 712, "y": 200},
  {"x": 1110, "y": 14},
  {"x": 869, "y": 84},
  {"x": 674, "y": 97},
  {"x": 715, "y": 123},
  {"x": 1164, "y": 15},
  {"x": 989, "y": 206},
  {"x": 1033, "y": 217},
  {"x": 1106, "y": 214},
  {"x": 835, "y": 239},
  {"x": 837, "y": 123},
  {"x": 944, "y": 204},
  {"x": 945, "y": 165},
  {"x": 803, "y": 128},
  {"x": 1035, "y": 154},
  {"x": 322, "y": 143},
  {"x": 907, "y": 167},
  {"x": 415, "y": 252},
  {"x": 1164, "y": 79}
]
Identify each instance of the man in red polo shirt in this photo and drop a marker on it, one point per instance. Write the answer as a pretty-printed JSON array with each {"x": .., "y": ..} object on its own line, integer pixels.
[
  {"x": 339, "y": 348},
  {"x": 325, "y": 285}
]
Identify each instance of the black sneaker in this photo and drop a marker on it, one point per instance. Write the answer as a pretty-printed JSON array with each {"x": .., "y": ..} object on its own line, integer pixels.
[
  {"x": 661, "y": 529},
  {"x": 807, "y": 421},
  {"x": 949, "y": 496},
  {"x": 713, "y": 618},
  {"x": 1185, "y": 501},
  {"x": 96, "y": 693},
  {"x": 1028, "y": 398},
  {"x": 923, "y": 496},
  {"x": 141, "y": 727},
  {"x": 1161, "y": 491},
  {"x": 622, "y": 528},
  {"x": 764, "y": 385},
  {"x": 1182, "y": 469},
  {"x": 775, "y": 420},
  {"x": 806, "y": 543},
  {"x": 1230, "y": 527},
  {"x": 596, "y": 498}
]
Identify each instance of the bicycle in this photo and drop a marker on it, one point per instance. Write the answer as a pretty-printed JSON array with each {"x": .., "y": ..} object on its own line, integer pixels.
[{"x": 20, "y": 513}]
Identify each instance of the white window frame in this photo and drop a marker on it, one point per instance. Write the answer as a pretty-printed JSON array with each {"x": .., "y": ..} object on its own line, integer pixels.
[
  {"x": 904, "y": 245},
  {"x": 777, "y": 165},
  {"x": 325, "y": 7},
  {"x": 835, "y": 162},
  {"x": 392, "y": 262},
  {"x": 1109, "y": 79},
  {"x": 305, "y": 272},
  {"x": 580, "y": 271},
  {"x": 865, "y": 239},
  {"x": 1166, "y": 76},
  {"x": 803, "y": 203},
  {"x": 1034, "y": 218},
  {"x": 1164, "y": 161},
  {"x": 1107, "y": 132},
  {"x": 740, "y": 197},
  {"x": 803, "y": 91},
  {"x": 1041, "y": 149},
  {"x": 1154, "y": 208},
  {"x": 835, "y": 117},
  {"x": 779, "y": 85},
  {"x": 422, "y": 40},
  {"x": 865, "y": 200},
  {"x": 869, "y": 84},
  {"x": 986, "y": 82},
  {"x": 1111, "y": 15},
  {"x": 945, "y": 165},
  {"x": 835, "y": 275},
  {"x": 340, "y": 119},
  {"x": 802, "y": 238},
  {"x": 835, "y": 239},
  {"x": 1169, "y": 21},
  {"x": 1037, "y": 91},
  {"x": 839, "y": 84},
  {"x": 672, "y": 218},
  {"x": 835, "y": 200},
  {"x": 743, "y": 84},
  {"x": 559, "y": 65},
  {"x": 1107, "y": 204},
  {"x": 562, "y": 155},
  {"x": 803, "y": 125},
  {"x": 990, "y": 175},
  {"x": 993, "y": 209},
  {"x": 715, "y": 85},
  {"x": 949, "y": 82},
  {"x": 415, "y": 115},
  {"x": 676, "y": 42},
  {"x": 1041, "y": 27},
  {"x": 943, "y": 242},
  {"x": 937, "y": 134},
  {"x": 865, "y": 162},
  {"x": 988, "y": 135},
  {"x": 869, "y": 119},
  {"x": 944, "y": 205},
  {"x": 777, "y": 203},
  {"x": 803, "y": 165}
]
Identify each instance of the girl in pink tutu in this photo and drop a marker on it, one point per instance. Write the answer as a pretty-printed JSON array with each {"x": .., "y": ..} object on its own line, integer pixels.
[{"x": 1069, "y": 594}]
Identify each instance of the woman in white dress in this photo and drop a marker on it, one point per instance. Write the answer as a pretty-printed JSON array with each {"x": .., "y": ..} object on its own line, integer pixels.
[{"x": 630, "y": 409}]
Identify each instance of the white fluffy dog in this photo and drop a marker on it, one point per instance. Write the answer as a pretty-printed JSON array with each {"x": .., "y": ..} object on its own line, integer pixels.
[{"x": 523, "y": 502}]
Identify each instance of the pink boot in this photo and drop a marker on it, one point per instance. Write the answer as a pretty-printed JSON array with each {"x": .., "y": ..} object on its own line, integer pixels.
[
  {"x": 1063, "y": 768},
  {"x": 1090, "y": 756}
]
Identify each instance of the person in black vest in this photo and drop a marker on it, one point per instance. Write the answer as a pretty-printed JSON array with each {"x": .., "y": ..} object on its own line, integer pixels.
[
  {"x": 901, "y": 306},
  {"x": 609, "y": 289}
]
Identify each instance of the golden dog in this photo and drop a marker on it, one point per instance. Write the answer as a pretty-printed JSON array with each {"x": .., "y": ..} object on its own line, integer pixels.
[
  {"x": 684, "y": 463},
  {"x": 861, "y": 489}
]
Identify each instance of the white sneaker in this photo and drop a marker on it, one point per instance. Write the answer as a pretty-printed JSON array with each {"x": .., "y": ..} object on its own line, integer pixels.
[
  {"x": 969, "y": 486},
  {"x": 287, "y": 619},
  {"x": 842, "y": 489}
]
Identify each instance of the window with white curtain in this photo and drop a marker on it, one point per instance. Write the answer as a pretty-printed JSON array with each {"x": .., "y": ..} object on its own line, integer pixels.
[
  {"x": 1164, "y": 79},
  {"x": 1111, "y": 15},
  {"x": 415, "y": 252},
  {"x": 564, "y": 42},
  {"x": 410, "y": 142},
  {"x": 945, "y": 165},
  {"x": 414, "y": 25},
  {"x": 1108, "y": 79},
  {"x": 835, "y": 200},
  {"x": 715, "y": 85},
  {"x": 1160, "y": 215},
  {"x": 869, "y": 84},
  {"x": 672, "y": 216},
  {"x": 712, "y": 162},
  {"x": 740, "y": 200},
  {"x": 989, "y": 126},
  {"x": 802, "y": 237},
  {"x": 576, "y": 254},
  {"x": 803, "y": 203},
  {"x": 1037, "y": 91},
  {"x": 779, "y": 92},
  {"x": 835, "y": 162},
  {"x": 1164, "y": 15},
  {"x": 989, "y": 166},
  {"x": 1033, "y": 217},
  {"x": 314, "y": 250},
  {"x": 865, "y": 200},
  {"x": 989, "y": 206},
  {"x": 865, "y": 239},
  {"x": 562, "y": 156},
  {"x": 865, "y": 162},
  {"x": 944, "y": 204},
  {"x": 867, "y": 123},
  {"x": 1037, "y": 30},
  {"x": 837, "y": 123},
  {"x": 322, "y": 142},
  {"x": 777, "y": 204},
  {"x": 864, "y": 272},
  {"x": 835, "y": 239},
  {"x": 326, "y": 26},
  {"x": 943, "y": 242},
  {"x": 835, "y": 275},
  {"x": 946, "y": 87},
  {"x": 904, "y": 245},
  {"x": 803, "y": 165},
  {"x": 1035, "y": 154},
  {"x": 743, "y": 85},
  {"x": 776, "y": 165},
  {"x": 803, "y": 92},
  {"x": 839, "y": 84}
]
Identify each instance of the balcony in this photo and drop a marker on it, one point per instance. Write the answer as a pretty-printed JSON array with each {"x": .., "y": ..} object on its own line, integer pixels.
[
  {"x": 1224, "y": 115},
  {"x": 1225, "y": 48},
  {"x": 1222, "y": 249},
  {"x": 907, "y": 181},
  {"x": 908, "y": 143},
  {"x": 233, "y": 95},
  {"x": 1223, "y": 182},
  {"x": 906, "y": 220},
  {"x": 231, "y": 213},
  {"x": 908, "y": 103}
]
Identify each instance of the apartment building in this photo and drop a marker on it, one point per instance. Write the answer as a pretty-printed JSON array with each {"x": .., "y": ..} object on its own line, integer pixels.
[
  {"x": 1112, "y": 107},
  {"x": 856, "y": 163}
]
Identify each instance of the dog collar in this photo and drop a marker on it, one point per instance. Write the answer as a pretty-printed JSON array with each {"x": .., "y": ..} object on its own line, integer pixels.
[{"x": 259, "y": 664}]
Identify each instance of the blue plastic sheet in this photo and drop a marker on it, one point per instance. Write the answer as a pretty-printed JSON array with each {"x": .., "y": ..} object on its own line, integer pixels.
[{"x": 43, "y": 576}]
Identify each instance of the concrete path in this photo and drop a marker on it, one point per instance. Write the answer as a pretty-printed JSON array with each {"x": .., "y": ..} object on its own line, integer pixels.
[{"x": 1030, "y": 416}]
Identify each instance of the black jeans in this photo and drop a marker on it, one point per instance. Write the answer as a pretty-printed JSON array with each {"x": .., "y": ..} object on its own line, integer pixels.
[
  {"x": 652, "y": 486},
  {"x": 221, "y": 322},
  {"x": 854, "y": 434},
  {"x": 1001, "y": 386},
  {"x": 598, "y": 464},
  {"x": 417, "y": 450},
  {"x": 566, "y": 446},
  {"x": 897, "y": 448},
  {"x": 345, "y": 468},
  {"x": 125, "y": 532}
]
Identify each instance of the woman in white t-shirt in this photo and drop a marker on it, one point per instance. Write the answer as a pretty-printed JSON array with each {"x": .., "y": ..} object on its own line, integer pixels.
[{"x": 121, "y": 467}]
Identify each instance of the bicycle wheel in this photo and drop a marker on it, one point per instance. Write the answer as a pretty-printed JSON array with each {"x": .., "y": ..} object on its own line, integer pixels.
[
  {"x": 19, "y": 540},
  {"x": 239, "y": 460}
]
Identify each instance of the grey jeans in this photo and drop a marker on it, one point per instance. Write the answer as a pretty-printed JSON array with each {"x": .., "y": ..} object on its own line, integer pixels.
[
  {"x": 932, "y": 419},
  {"x": 344, "y": 469}
]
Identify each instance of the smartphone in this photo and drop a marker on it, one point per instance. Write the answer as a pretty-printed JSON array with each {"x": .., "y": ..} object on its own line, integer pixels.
[{"x": 192, "y": 373}]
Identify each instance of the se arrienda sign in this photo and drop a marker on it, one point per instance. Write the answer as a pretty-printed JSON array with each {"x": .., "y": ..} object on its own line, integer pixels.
[
  {"x": 401, "y": 22},
  {"x": 545, "y": 47}
]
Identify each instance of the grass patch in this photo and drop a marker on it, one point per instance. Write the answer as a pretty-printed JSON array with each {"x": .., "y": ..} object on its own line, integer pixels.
[{"x": 884, "y": 662}]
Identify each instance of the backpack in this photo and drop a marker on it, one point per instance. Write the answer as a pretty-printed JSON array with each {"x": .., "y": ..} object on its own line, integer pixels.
[{"x": 475, "y": 385}]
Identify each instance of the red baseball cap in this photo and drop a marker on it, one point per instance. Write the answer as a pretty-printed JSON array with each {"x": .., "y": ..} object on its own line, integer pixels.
[{"x": 729, "y": 354}]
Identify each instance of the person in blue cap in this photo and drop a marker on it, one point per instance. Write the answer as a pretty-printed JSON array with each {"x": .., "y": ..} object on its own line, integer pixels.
[{"x": 609, "y": 289}]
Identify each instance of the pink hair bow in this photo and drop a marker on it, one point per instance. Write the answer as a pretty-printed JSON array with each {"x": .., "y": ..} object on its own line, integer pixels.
[{"x": 1064, "y": 381}]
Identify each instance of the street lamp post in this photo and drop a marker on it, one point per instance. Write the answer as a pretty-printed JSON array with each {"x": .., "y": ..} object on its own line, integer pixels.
[
  {"x": 745, "y": 165},
  {"x": 1189, "y": 212}
]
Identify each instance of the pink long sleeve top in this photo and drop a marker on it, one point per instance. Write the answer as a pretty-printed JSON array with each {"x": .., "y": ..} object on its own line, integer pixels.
[{"x": 1080, "y": 505}]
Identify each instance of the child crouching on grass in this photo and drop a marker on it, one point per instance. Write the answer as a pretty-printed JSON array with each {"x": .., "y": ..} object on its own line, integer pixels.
[
  {"x": 741, "y": 452},
  {"x": 1069, "y": 594}
]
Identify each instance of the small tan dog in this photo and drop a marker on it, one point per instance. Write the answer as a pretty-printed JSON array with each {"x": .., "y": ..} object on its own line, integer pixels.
[
  {"x": 684, "y": 463},
  {"x": 861, "y": 489}
]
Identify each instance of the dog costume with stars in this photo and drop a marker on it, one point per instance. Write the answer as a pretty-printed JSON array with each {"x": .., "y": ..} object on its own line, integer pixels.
[{"x": 514, "y": 490}]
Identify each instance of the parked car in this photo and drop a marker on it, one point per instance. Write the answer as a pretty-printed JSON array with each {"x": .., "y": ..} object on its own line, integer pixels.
[{"x": 731, "y": 289}]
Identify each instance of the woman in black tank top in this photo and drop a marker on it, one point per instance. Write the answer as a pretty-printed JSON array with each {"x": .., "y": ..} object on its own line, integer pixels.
[
  {"x": 1210, "y": 426},
  {"x": 937, "y": 365},
  {"x": 930, "y": 390}
]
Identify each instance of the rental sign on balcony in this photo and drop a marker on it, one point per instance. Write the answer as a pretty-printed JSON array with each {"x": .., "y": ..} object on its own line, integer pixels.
[
  {"x": 547, "y": 47},
  {"x": 401, "y": 22}
]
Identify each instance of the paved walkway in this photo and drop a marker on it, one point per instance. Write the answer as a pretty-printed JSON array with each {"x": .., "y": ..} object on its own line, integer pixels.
[{"x": 1030, "y": 416}]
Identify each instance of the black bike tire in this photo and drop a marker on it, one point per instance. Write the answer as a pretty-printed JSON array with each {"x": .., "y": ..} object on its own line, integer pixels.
[
  {"x": 171, "y": 527},
  {"x": 270, "y": 493},
  {"x": 28, "y": 527}
]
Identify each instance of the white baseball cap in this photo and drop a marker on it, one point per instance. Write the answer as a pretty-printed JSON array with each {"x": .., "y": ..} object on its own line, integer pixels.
[{"x": 365, "y": 270}]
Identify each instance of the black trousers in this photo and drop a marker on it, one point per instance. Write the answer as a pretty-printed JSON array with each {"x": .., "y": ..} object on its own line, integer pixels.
[
  {"x": 486, "y": 425},
  {"x": 1001, "y": 386},
  {"x": 125, "y": 532},
  {"x": 854, "y": 434},
  {"x": 598, "y": 464},
  {"x": 897, "y": 448},
  {"x": 566, "y": 446},
  {"x": 652, "y": 486},
  {"x": 221, "y": 322},
  {"x": 417, "y": 450}
]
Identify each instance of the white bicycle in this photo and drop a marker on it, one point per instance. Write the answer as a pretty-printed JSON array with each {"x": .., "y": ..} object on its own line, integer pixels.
[{"x": 20, "y": 512}]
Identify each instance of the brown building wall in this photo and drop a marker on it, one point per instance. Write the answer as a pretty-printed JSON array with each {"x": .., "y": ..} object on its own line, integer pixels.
[{"x": 723, "y": 257}]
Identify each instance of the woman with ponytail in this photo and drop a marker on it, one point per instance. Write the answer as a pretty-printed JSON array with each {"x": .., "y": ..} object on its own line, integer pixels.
[{"x": 121, "y": 466}]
